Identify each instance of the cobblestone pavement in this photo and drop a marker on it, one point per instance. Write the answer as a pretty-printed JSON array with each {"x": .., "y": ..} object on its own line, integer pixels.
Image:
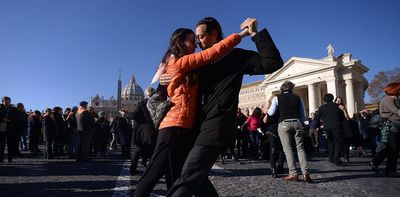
[{"x": 32, "y": 176}]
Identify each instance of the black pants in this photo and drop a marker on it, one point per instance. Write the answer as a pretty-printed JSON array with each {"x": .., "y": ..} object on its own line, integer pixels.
[
  {"x": 12, "y": 145},
  {"x": 276, "y": 152},
  {"x": 194, "y": 178},
  {"x": 173, "y": 146},
  {"x": 140, "y": 151},
  {"x": 335, "y": 139},
  {"x": 391, "y": 152}
]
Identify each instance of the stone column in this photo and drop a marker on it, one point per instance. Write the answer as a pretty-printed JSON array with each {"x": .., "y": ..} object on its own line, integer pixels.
[
  {"x": 332, "y": 87},
  {"x": 350, "y": 97},
  {"x": 312, "y": 98}
]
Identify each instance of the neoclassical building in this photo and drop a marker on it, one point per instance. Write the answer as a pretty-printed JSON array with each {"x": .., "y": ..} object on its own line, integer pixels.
[
  {"x": 127, "y": 98},
  {"x": 341, "y": 76}
]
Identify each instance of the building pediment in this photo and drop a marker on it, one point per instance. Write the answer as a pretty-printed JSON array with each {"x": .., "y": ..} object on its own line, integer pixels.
[{"x": 296, "y": 66}]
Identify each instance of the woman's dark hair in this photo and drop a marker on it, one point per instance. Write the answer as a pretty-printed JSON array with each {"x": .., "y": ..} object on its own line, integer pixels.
[
  {"x": 256, "y": 112},
  {"x": 176, "y": 43},
  {"x": 341, "y": 100},
  {"x": 211, "y": 25}
]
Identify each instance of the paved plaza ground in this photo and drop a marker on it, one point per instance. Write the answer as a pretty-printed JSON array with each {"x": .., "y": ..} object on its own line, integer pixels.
[{"x": 33, "y": 176}]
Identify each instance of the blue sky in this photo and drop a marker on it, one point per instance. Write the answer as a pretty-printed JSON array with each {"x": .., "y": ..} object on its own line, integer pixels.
[{"x": 57, "y": 53}]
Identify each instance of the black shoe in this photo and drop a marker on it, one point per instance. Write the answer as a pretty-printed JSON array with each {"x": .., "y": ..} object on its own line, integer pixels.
[{"x": 9, "y": 159}]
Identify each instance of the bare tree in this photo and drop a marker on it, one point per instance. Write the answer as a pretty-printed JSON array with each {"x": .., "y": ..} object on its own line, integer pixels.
[{"x": 380, "y": 80}]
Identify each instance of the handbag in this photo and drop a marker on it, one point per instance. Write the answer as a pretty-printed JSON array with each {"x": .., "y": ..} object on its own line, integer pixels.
[{"x": 158, "y": 105}]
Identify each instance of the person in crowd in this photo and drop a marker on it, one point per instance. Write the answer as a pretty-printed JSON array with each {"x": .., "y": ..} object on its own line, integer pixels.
[
  {"x": 85, "y": 126},
  {"x": 66, "y": 138},
  {"x": 253, "y": 123},
  {"x": 35, "y": 125},
  {"x": 359, "y": 135},
  {"x": 291, "y": 116},
  {"x": 220, "y": 83},
  {"x": 50, "y": 131},
  {"x": 23, "y": 126},
  {"x": 60, "y": 131},
  {"x": 72, "y": 132},
  {"x": 348, "y": 131},
  {"x": 332, "y": 117},
  {"x": 241, "y": 135},
  {"x": 123, "y": 127},
  {"x": 102, "y": 132},
  {"x": 373, "y": 132},
  {"x": 114, "y": 135},
  {"x": 390, "y": 133},
  {"x": 144, "y": 135},
  {"x": 275, "y": 145},
  {"x": 314, "y": 133},
  {"x": 175, "y": 138},
  {"x": 9, "y": 128}
]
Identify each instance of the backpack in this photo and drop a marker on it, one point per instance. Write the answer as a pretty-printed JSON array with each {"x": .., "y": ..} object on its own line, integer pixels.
[
  {"x": 158, "y": 105},
  {"x": 376, "y": 122}
]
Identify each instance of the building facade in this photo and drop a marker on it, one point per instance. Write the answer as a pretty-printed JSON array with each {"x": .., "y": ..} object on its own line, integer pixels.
[
  {"x": 127, "y": 98},
  {"x": 341, "y": 76}
]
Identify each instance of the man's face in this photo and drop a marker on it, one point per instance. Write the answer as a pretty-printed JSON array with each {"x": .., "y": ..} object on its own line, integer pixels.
[
  {"x": 203, "y": 39},
  {"x": 6, "y": 102}
]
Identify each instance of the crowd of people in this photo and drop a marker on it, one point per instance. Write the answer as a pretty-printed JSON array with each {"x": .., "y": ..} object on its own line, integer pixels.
[{"x": 204, "y": 124}]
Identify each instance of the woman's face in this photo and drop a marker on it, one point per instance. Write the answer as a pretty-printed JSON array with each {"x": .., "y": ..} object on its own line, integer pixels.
[
  {"x": 338, "y": 100},
  {"x": 190, "y": 44}
]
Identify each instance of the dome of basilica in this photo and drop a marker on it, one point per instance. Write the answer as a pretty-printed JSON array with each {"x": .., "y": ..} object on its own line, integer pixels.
[{"x": 132, "y": 90}]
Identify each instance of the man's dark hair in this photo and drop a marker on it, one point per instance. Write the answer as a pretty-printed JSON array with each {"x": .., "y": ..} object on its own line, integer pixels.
[
  {"x": 211, "y": 25},
  {"x": 5, "y": 98},
  {"x": 287, "y": 86},
  {"x": 328, "y": 98}
]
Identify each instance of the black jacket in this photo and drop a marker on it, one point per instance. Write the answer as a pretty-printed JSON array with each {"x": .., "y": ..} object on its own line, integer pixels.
[
  {"x": 332, "y": 117},
  {"x": 220, "y": 84},
  {"x": 144, "y": 133}
]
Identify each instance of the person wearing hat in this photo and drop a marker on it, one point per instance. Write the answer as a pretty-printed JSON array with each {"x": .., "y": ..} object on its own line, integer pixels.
[
  {"x": 85, "y": 126},
  {"x": 101, "y": 134}
]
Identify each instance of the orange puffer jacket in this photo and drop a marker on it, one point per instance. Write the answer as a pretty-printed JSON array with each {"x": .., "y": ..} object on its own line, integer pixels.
[{"x": 183, "y": 96}]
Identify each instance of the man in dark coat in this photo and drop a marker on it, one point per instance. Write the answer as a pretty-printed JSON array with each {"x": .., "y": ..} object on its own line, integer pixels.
[
  {"x": 101, "y": 134},
  {"x": 220, "y": 83},
  {"x": 123, "y": 127},
  {"x": 35, "y": 125},
  {"x": 9, "y": 128},
  {"x": 144, "y": 135},
  {"x": 85, "y": 126},
  {"x": 332, "y": 118}
]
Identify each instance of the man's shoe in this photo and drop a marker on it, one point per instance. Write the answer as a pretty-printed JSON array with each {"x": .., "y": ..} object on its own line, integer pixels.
[
  {"x": 307, "y": 178},
  {"x": 291, "y": 178}
]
